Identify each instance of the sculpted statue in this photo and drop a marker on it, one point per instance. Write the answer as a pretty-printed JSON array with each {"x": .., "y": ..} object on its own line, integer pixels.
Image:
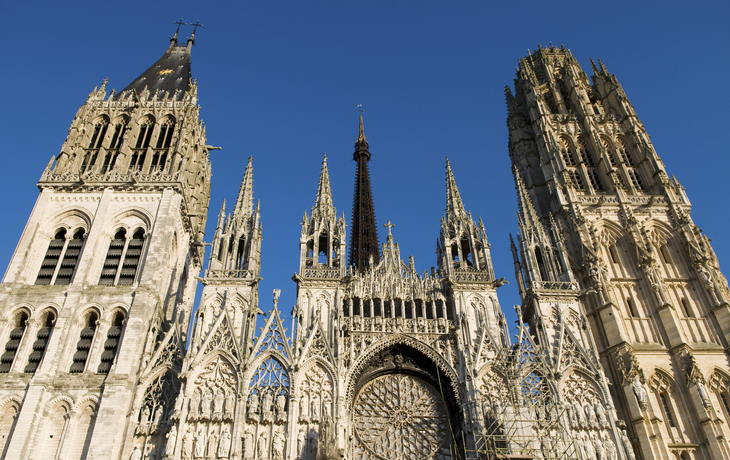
[
  {"x": 641, "y": 395},
  {"x": 145, "y": 417},
  {"x": 212, "y": 445},
  {"x": 218, "y": 402},
  {"x": 253, "y": 405},
  {"x": 266, "y": 407},
  {"x": 178, "y": 405},
  {"x": 628, "y": 448},
  {"x": 602, "y": 417},
  {"x": 280, "y": 408},
  {"x": 187, "y": 446},
  {"x": 205, "y": 405},
  {"x": 230, "y": 403},
  {"x": 225, "y": 443},
  {"x": 312, "y": 447},
  {"x": 136, "y": 454},
  {"x": 248, "y": 443},
  {"x": 171, "y": 440},
  {"x": 301, "y": 439},
  {"x": 589, "y": 449},
  {"x": 262, "y": 446},
  {"x": 598, "y": 447},
  {"x": 590, "y": 416},
  {"x": 704, "y": 394},
  {"x": 315, "y": 410},
  {"x": 158, "y": 415},
  {"x": 304, "y": 408},
  {"x": 610, "y": 449},
  {"x": 199, "y": 445},
  {"x": 277, "y": 446},
  {"x": 194, "y": 405},
  {"x": 579, "y": 415}
]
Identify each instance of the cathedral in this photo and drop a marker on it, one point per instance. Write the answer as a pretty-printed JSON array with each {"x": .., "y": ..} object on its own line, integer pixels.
[{"x": 623, "y": 332}]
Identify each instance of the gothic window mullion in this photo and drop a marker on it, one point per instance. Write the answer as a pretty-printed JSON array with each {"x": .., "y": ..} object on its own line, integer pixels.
[
  {"x": 121, "y": 260},
  {"x": 60, "y": 259}
]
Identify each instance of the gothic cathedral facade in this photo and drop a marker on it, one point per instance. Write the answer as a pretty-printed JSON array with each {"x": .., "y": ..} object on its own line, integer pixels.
[{"x": 620, "y": 350}]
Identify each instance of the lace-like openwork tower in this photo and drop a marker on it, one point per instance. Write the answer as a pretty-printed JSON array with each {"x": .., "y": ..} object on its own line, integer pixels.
[
  {"x": 608, "y": 251},
  {"x": 99, "y": 291}
]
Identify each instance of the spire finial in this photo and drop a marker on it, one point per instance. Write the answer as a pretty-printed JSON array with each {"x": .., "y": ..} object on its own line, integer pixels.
[
  {"x": 361, "y": 132},
  {"x": 323, "y": 203},
  {"x": 454, "y": 205},
  {"x": 244, "y": 202},
  {"x": 197, "y": 24},
  {"x": 390, "y": 228},
  {"x": 173, "y": 40}
]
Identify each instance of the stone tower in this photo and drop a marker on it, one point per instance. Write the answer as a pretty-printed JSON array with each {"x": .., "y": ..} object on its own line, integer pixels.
[
  {"x": 364, "y": 232},
  {"x": 102, "y": 279},
  {"x": 608, "y": 252}
]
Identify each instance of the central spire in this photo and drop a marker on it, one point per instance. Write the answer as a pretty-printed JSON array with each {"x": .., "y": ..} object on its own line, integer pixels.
[{"x": 364, "y": 237}]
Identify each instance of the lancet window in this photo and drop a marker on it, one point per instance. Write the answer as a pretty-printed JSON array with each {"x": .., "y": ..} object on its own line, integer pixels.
[
  {"x": 636, "y": 180},
  {"x": 111, "y": 345},
  {"x": 14, "y": 340},
  {"x": 122, "y": 259},
  {"x": 666, "y": 407},
  {"x": 576, "y": 179},
  {"x": 47, "y": 321},
  {"x": 269, "y": 391},
  {"x": 83, "y": 346},
  {"x": 595, "y": 178},
  {"x": 624, "y": 152},
  {"x": 585, "y": 154},
  {"x": 566, "y": 153},
  {"x": 61, "y": 249}
]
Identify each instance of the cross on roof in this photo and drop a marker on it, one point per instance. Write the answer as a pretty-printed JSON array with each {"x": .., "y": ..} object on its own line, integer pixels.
[
  {"x": 197, "y": 24},
  {"x": 359, "y": 108},
  {"x": 390, "y": 227},
  {"x": 179, "y": 23}
]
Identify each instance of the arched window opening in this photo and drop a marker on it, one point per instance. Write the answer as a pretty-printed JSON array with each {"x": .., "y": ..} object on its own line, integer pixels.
[
  {"x": 70, "y": 258},
  {"x": 137, "y": 160},
  {"x": 118, "y": 136},
  {"x": 132, "y": 258},
  {"x": 97, "y": 138},
  {"x": 440, "y": 309},
  {"x": 666, "y": 255},
  {"x": 346, "y": 307},
  {"x": 667, "y": 410},
  {"x": 145, "y": 134},
  {"x": 541, "y": 265},
  {"x": 624, "y": 152},
  {"x": 11, "y": 348},
  {"x": 632, "y": 307},
  {"x": 241, "y": 254},
  {"x": 466, "y": 251},
  {"x": 83, "y": 346},
  {"x": 322, "y": 247},
  {"x": 429, "y": 310},
  {"x": 309, "y": 261},
  {"x": 50, "y": 261},
  {"x": 565, "y": 152},
  {"x": 687, "y": 308},
  {"x": 449, "y": 310},
  {"x": 41, "y": 343},
  {"x": 158, "y": 161},
  {"x": 89, "y": 160},
  {"x": 165, "y": 138},
  {"x": 576, "y": 179},
  {"x": 585, "y": 153},
  {"x": 113, "y": 257},
  {"x": 111, "y": 345},
  {"x": 388, "y": 308},
  {"x": 636, "y": 180},
  {"x": 356, "y": 306},
  {"x": 614, "y": 254},
  {"x": 455, "y": 255},
  {"x": 110, "y": 160},
  {"x": 8, "y": 418},
  {"x": 595, "y": 178},
  {"x": 377, "y": 307},
  {"x": 419, "y": 309},
  {"x": 726, "y": 406},
  {"x": 399, "y": 308},
  {"x": 408, "y": 314}
]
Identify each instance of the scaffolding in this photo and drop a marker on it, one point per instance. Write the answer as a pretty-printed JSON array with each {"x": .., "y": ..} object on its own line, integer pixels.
[{"x": 529, "y": 422}]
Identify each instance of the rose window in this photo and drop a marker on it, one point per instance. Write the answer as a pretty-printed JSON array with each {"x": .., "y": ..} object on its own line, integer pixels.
[{"x": 400, "y": 417}]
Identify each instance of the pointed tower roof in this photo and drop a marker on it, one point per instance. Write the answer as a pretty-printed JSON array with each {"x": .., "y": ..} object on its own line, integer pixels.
[
  {"x": 454, "y": 205},
  {"x": 524, "y": 202},
  {"x": 323, "y": 204},
  {"x": 171, "y": 73},
  {"x": 245, "y": 194},
  {"x": 364, "y": 235}
]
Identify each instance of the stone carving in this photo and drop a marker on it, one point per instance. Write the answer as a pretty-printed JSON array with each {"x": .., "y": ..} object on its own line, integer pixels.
[
  {"x": 642, "y": 396},
  {"x": 628, "y": 448},
  {"x": 253, "y": 407},
  {"x": 218, "y": 402},
  {"x": 268, "y": 416},
  {"x": 194, "y": 406},
  {"x": 248, "y": 443},
  {"x": 212, "y": 445},
  {"x": 312, "y": 445},
  {"x": 304, "y": 408},
  {"x": 277, "y": 445},
  {"x": 602, "y": 417},
  {"x": 316, "y": 394},
  {"x": 136, "y": 454},
  {"x": 171, "y": 440},
  {"x": 187, "y": 446},
  {"x": 704, "y": 394},
  {"x": 280, "y": 409},
  {"x": 301, "y": 443},
  {"x": 199, "y": 445},
  {"x": 609, "y": 448},
  {"x": 230, "y": 405},
  {"x": 205, "y": 405},
  {"x": 396, "y": 415},
  {"x": 262, "y": 446},
  {"x": 225, "y": 443}
]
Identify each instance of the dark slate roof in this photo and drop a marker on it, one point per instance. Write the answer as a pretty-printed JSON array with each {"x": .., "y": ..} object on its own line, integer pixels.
[{"x": 170, "y": 73}]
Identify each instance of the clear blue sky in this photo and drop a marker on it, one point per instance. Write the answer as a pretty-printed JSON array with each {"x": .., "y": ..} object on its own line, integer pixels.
[{"x": 281, "y": 81}]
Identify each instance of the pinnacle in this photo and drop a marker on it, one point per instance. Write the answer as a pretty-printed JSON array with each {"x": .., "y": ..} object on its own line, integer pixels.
[
  {"x": 361, "y": 133},
  {"x": 323, "y": 203},
  {"x": 244, "y": 202},
  {"x": 524, "y": 202},
  {"x": 454, "y": 205}
]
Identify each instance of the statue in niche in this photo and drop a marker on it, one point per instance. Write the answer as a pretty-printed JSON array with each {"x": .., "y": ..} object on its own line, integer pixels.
[
  {"x": 704, "y": 394},
  {"x": 628, "y": 448},
  {"x": 178, "y": 406},
  {"x": 315, "y": 409},
  {"x": 158, "y": 418},
  {"x": 171, "y": 440},
  {"x": 230, "y": 404},
  {"x": 590, "y": 416},
  {"x": 589, "y": 449},
  {"x": 266, "y": 407},
  {"x": 312, "y": 444},
  {"x": 304, "y": 408},
  {"x": 253, "y": 406},
  {"x": 205, "y": 401},
  {"x": 602, "y": 417},
  {"x": 642, "y": 396},
  {"x": 218, "y": 404},
  {"x": 598, "y": 447},
  {"x": 187, "y": 445},
  {"x": 225, "y": 443},
  {"x": 199, "y": 445},
  {"x": 610, "y": 449},
  {"x": 281, "y": 409},
  {"x": 498, "y": 408},
  {"x": 571, "y": 416},
  {"x": 579, "y": 415},
  {"x": 194, "y": 405},
  {"x": 136, "y": 453},
  {"x": 212, "y": 445},
  {"x": 144, "y": 420},
  {"x": 248, "y": 443},
  {"x": 301, "y": 443},
  {"x": 262, "y": 446},
  {"x": 277, "y": 446}
]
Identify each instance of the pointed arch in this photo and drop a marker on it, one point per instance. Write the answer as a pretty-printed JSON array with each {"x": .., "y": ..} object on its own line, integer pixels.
[{"x": 9, "y": 410}]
